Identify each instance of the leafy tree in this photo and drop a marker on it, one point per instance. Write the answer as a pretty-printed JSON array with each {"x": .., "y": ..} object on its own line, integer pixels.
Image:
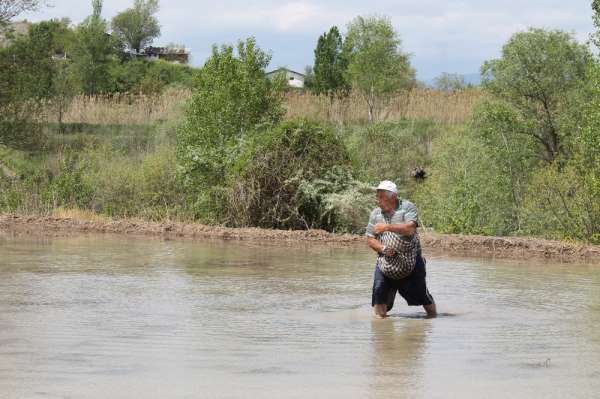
[
  {"x": 309, "y": 78},
  {"x": 587, "y": 156},
  {"x": 330, "y": 65},
  {"x": 562, "y": 200},
  {"x": 596, "y": 19},
  {"x": 65, "y": 87},
  {"x": 377, "y": 67},
  {"x": 27, "y": 80},
  {"x": 94, "y": 52},
  {"x": 232, "y": 97},
  {"x": 450, "y": 82},
  {"x": 537, "y": 75},
  {"x": 137, "y": 27}
]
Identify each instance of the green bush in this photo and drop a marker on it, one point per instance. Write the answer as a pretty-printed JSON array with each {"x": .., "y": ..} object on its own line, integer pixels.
[
  {"x": 284, "y": 174},
  {"x": 150, "y": 77},
  {"x": 23, "y": 179},
  {"x": 232, "y": 98},
  {"x": 160, "y": 192},
  {"x": 343, "y": 204},
  {"x": 466, "y": 192},
  {"x": 560, "y": 204},
  {"x": 141, "y": 186},
  {"x": 390, "y": 150},
  {"x": 68, "y": 188}
]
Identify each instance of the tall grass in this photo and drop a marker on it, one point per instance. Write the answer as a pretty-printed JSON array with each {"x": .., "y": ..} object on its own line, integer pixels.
[
  {"x": 123, "y": 108},
  {"x": 133, "y": 109},
  {"x": 438, "y": 106}
]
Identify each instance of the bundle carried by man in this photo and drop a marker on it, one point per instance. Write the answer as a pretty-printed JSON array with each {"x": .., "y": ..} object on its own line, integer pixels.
[{"x": 402, "y": 263}]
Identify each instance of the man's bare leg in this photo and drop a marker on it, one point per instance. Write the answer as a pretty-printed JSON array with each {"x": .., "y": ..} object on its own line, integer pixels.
[
  {"x": 430, "y": 309},
  {"x": 380, "y": 310}
]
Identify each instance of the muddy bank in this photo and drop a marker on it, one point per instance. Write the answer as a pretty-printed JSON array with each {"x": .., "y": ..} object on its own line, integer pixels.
[{"x": 451, "y": 244}]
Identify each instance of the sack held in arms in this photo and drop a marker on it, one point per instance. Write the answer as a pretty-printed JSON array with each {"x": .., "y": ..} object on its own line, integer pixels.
[{"x": 402, "y": 263}]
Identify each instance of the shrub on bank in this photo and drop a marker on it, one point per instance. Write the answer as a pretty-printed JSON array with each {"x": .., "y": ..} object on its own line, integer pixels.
[
  {"x": 232, "y": 98},
  {"x": 292, "y": 176}
]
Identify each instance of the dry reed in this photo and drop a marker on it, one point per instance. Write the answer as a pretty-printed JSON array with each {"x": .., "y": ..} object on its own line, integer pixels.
[
  {"x": 126, "y": 109},
  {"x": 443, "y": 107},
  {"x": 79, "y": 214}
]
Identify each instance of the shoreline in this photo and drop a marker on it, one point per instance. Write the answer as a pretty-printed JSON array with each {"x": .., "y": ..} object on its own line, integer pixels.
[{"x": 451, "y": 244}]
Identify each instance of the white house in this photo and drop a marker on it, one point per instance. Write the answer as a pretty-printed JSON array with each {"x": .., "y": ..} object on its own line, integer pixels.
[{"x": 294, "y": 79}]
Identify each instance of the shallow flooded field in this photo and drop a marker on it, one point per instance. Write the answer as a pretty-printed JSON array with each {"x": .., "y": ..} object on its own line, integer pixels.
[{"x": 116, "y": 317}]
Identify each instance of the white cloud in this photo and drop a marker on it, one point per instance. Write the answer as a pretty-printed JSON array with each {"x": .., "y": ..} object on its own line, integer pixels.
[{"x": 281, "y": 17}]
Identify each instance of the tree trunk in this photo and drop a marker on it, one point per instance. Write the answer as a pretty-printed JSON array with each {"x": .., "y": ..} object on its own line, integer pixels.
[
  {"x": 60, "y": 117},
  {"x": 370, "y": 102}
]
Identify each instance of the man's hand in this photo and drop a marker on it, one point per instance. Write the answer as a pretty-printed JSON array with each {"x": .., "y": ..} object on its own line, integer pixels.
[
  {"x": 389, "y": 252},
  {"x": 380, "y": 228}
]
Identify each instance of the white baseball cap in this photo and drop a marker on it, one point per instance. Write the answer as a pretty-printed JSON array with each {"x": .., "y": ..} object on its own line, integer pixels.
[{"x": 388, "y": 186}]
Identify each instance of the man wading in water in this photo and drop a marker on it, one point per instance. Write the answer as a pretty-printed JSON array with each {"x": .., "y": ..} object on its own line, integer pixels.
[{"x": 400, "y": 217}]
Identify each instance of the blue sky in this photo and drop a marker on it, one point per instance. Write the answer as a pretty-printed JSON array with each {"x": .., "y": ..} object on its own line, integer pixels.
[{"x": 442, "y": 36}]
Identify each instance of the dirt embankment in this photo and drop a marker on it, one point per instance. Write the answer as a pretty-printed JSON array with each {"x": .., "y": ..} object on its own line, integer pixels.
[{"x": 452, "y": 244}]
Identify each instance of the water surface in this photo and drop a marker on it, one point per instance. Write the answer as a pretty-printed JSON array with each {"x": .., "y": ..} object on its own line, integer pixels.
[{"x": 114, "y": 317}]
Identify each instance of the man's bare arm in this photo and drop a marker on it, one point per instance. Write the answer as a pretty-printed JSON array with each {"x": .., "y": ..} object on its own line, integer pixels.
[
  {"x": 406, "y": 229},
  {"x": 378, "y": 247},
  {"x": 375, "y": 244}
]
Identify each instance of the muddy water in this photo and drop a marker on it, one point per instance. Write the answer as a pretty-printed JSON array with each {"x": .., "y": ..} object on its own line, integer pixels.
[{"x": 114, "y": 317}]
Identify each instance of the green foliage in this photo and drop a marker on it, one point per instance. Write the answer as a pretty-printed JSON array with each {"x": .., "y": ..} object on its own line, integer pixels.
[
  {"x": 68, "y": 188},
  {"x": 31, "y": 56},
  {"x": 232, "y": 97},
  {"x": 129, "y": 186},
  {"x": 465, "y": 192},
  {"x": 150, "y": 77},
  {"x": 22, "y": 181},
  {"x": 587, "y": 156},
  {"x": 97, "y": 8},
  {"x": 330, "y": 65},
  {"x": 285, "y": 173},
  {"x": 561, "y": 204},
  {"x": 526, "y": 165},
  {"x": 505, "y": 134},
  {"x": 391, "y": 150},
  {"x": 29, "y": 77},
  {"x": 65, "y": 87},
  {"x": 538, "y": 74},
  {"x": 94, "y": 52},
  {"x": 377, "y": 67},
  {"x": 341, "y": 203},
  {"x": 309, "y": 78},
  {"x": 596, "y": 19},
  {"x": 137, "y": 27},
  {"x": 562, "y": 201}
]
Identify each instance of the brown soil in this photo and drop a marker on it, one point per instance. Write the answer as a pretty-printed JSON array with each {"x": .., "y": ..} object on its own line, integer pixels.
[{"x": 450, "y": 244}]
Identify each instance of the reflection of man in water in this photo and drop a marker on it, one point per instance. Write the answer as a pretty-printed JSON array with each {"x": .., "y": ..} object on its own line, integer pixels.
[
  {"x": 398, "y": 358},
  {"x": 396, "y": 216}
]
